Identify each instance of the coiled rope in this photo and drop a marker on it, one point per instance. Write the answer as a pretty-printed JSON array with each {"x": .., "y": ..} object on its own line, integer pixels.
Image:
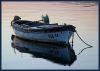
[{"x": 89, "y": 46}]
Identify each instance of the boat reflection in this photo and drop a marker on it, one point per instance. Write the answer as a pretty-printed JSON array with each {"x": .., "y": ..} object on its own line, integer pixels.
[{"x": 63, "y": 55}]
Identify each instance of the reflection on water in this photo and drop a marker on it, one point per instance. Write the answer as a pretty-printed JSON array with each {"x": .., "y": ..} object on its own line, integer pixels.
[
  {"x": 82, "y": 14},
  {"x": 64, "y": 55}
]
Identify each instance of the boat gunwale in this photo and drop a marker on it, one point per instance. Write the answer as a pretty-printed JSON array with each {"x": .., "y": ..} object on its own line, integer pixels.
[{"x": 43, "y": 29}]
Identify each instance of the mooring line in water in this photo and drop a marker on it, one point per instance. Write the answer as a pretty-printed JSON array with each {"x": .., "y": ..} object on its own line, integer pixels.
[
  {"x": 84, "y": 43},
  {"x": 72, "y": 39},
  {"x": 83, "y": 40},
  {"x": 83, "y": 50}
]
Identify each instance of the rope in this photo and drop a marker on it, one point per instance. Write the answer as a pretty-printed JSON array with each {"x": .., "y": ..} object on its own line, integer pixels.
[
  {"x": 82, "y": 50},
  {"x": 83, "y": 40},
  {"x": 84, "y": 43},
  {"x": 72, "y": 39}
]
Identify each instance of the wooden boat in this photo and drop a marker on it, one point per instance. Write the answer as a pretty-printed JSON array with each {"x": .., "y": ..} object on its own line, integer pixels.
[
  {"x": 42, "y": 30},
  {"x": 64, "y": 55}
]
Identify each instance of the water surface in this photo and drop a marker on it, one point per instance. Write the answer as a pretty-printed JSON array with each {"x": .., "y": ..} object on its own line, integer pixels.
[{"x": 83, "y": 15}]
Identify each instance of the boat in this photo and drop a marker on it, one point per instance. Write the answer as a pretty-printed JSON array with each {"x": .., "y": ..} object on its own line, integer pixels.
[
  {"x": 42, "y": 30},
  {"x": 62, "y": 55}
]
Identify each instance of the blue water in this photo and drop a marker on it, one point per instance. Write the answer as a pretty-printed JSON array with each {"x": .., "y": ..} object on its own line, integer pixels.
[{"x": 83, "y": 15}]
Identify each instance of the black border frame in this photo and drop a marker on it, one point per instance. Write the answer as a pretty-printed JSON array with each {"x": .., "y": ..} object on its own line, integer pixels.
[{"x": 41, "y": 69}]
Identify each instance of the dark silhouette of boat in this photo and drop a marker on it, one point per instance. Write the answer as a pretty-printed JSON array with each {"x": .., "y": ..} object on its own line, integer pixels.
[{"x": 59, "y": 54}]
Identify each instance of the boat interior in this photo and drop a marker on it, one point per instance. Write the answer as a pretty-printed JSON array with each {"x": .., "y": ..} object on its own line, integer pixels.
[
  {"x": 41, "y": 25},
  {"x": 32, "y": 23}
]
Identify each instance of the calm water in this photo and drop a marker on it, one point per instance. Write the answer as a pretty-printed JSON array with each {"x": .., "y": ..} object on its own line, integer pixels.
[{"x": 83, "y": 15}]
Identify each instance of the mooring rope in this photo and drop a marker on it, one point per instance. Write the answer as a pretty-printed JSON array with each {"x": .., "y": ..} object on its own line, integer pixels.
[
  {"x": 82, "y": 50},
  {"x": 83, "y": 40},
  {"x": 84, "y": 43},
  {"x": 72, "y": 39}
]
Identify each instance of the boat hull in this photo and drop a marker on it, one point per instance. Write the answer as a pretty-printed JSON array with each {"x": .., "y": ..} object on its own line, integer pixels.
[{"x": 53, "y": 37}]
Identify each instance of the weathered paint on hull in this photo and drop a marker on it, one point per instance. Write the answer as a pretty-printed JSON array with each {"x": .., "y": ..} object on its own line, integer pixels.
[{"x": 60, "y": 36}]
